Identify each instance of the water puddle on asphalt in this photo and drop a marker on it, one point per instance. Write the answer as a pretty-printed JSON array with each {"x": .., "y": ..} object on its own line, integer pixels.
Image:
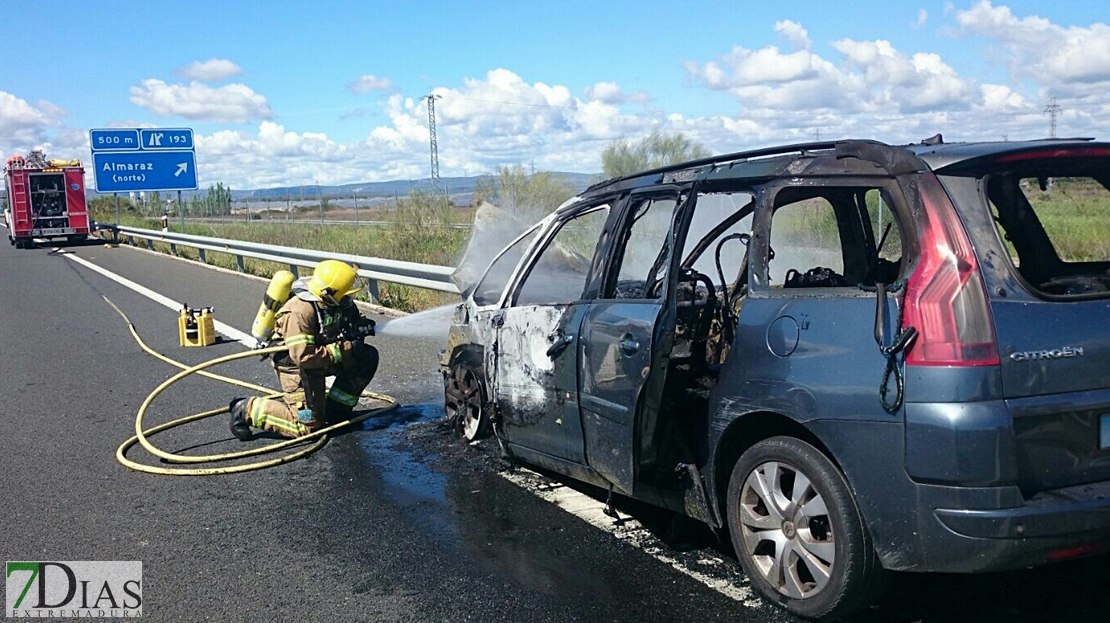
[{"x": 408, "y": 478}]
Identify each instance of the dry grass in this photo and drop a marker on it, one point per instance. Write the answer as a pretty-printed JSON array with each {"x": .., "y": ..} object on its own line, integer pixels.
[{"x": 415, "y": 233}]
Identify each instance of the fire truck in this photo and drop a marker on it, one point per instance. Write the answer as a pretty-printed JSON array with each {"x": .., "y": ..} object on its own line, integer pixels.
[{"x": 44, "y": 199}]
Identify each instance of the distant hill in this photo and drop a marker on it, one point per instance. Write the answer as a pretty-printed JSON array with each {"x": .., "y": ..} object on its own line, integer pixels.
[{"x": 454, "y": 186}]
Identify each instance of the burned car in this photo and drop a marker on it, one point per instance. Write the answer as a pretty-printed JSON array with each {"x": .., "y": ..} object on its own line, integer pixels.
[{"x": 854, "y": 357}]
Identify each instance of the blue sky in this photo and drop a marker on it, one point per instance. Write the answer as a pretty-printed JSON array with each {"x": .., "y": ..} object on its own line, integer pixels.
[{"x": 284, "y": 93}]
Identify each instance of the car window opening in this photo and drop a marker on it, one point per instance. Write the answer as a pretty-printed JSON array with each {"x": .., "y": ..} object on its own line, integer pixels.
[
  {"x": 1046, "y": 216},
  {"x": 561, "y": 272}
]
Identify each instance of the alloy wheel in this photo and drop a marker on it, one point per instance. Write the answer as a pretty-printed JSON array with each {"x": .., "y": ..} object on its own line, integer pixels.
[
  {"x": 465, "y": 403},
  {"x": 786, "y": 530}
]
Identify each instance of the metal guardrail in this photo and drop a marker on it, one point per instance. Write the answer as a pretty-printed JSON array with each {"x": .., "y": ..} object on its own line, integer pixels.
[
  {"x": 312, "y": 221},
  {"x": 373, "y": 269}
]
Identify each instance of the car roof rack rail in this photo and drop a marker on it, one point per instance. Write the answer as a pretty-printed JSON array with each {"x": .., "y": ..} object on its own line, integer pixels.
[{"x": 724, "y": 159}]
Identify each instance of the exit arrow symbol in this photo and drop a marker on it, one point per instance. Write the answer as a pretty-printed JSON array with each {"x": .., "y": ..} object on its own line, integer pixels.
[{"x": 181, "y": 168}]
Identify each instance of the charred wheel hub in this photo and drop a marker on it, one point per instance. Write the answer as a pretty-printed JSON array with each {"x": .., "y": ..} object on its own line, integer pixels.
[
  {"x": 788, "y": 529},
  {"x": 465, "y": 401}
]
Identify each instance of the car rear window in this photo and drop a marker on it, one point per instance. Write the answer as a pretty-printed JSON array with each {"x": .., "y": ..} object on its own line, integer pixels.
[{"x": 1053, "y": 216}]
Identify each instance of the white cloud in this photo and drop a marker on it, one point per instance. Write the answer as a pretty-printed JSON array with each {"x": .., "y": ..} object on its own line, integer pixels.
[
  {"x": 495, "y": 120},
  {"x": 23, "y": 125},
  {"x": 872, "y": 76},
  {"x": 272, "y": 155},
  {"x": 1000, "y": 98},
  {"x": 873, "y": 89},
  {"x": 229, "y": 103},
  {"x": 909, "y": 83},
  {"x": 211, "y": 70},
  {"x": 794, "y": 33},
  {"x": 368, "y": 82},
  {"x": 610, "y": 93},
  {"x": 1055, "y": 56},
  {"x": 922, "y": 19}
]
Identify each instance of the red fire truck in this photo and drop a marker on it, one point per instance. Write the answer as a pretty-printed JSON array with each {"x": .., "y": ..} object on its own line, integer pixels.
[{"x": 45, "y": 199}]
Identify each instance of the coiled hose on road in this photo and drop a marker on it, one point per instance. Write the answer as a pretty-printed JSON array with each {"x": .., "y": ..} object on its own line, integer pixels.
[{"x": 140, "y": 437}]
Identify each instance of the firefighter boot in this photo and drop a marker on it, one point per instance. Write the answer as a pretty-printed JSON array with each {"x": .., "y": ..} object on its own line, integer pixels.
[
  {"x": 239, "y": 426},
  {"x": 336, "y": 412}
]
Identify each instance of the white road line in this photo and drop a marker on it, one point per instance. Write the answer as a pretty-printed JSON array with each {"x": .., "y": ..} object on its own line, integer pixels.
[
  {"x": 633, "y": 532},
  {"x": 228, "y": 330}
]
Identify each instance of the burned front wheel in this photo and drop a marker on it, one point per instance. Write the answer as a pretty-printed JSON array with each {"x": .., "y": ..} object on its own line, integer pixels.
[
  {"x": 465, "y": 401},
  {"x": 798, "y": 533}
]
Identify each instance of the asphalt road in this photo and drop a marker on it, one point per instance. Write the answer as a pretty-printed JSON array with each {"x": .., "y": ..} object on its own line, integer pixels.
[{"x": 395, "y": 521}]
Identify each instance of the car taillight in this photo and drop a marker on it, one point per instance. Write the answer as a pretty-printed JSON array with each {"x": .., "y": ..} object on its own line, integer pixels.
[{"x": 945, "y": 297}]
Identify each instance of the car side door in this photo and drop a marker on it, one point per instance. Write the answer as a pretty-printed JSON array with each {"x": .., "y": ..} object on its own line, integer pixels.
[{"x": 534, "y": 381}]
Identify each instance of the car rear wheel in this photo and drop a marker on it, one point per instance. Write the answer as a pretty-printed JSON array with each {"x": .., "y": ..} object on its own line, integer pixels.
[
  {"x": 798, "y": 532},
  {"x": 465, "y": 401}
]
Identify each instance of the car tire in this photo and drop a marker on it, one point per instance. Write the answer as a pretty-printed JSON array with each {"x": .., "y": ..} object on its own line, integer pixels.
[
  {"x": 465, "y": 401},
  {"x": 798, "y": 532}
]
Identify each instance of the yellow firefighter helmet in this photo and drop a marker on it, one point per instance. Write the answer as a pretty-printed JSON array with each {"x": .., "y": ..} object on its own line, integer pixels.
[{"x": 333, "y": 280}]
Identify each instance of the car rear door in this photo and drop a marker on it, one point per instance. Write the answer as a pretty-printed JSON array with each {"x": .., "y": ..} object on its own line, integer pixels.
[{"x": 1038, "y": 221}]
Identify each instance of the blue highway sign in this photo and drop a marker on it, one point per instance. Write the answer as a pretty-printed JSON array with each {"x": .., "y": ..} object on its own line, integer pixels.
[
  {"x": 140, "y": 159},
  {"x": 117, "y": 139},
  {"x": 167, "y": 138},
  {"x": 126, "y": 171}
]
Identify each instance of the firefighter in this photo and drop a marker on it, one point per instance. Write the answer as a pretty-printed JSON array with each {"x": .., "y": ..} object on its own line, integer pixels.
[{"x": 323, "y": 329}]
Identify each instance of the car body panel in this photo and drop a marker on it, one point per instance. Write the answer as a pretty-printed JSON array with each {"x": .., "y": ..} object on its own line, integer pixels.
[
  {"x": 950, "y": 478},
  {"x": 536, "y": 394}
]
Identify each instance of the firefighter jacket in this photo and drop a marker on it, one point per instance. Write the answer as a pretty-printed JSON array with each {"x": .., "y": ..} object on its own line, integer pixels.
[{"x": 310, "y": 330}]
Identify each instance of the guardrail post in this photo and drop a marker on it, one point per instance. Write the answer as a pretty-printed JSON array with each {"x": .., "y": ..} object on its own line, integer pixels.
[
  {"x": 293, "y": 269},
  {"x": 173, "y": 249},
  {"x": 372, "y": 290},
  {"x": 203, "y": 257},
  {"x": 239, "y": 264},
  {"x": 150, "y": 244}
]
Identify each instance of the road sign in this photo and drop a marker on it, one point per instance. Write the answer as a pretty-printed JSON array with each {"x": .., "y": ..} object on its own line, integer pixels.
[
  {"x": 166, "y": 138},
  {"x": 125, "y": 171},
  {"x": 143, "y": 159},
  {"x": 116, "y": 139}
]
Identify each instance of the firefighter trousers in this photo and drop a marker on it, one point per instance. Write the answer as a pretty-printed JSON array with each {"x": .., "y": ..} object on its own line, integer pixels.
[{"x": 307, "y": 404}]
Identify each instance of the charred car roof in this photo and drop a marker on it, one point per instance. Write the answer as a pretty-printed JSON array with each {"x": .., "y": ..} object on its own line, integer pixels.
[{"x": 771, "y": 162}]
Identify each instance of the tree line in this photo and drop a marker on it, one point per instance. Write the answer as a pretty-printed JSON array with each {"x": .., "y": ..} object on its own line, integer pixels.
[{"x": 215, "y": 201}]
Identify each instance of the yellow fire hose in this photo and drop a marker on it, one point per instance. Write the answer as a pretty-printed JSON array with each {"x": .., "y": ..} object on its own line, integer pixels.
[{"x": 141, "y": 435}]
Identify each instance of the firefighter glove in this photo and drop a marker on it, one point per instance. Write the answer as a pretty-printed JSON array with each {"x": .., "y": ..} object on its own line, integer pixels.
[
  {"x": 365, "y": 326},
  {"x": 347, "y": 351}
]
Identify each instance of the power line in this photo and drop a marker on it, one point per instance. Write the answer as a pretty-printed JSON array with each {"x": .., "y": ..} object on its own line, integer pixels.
[
  {"x": 1052, "y": 110},
  {"x": 432, "y": 97}
]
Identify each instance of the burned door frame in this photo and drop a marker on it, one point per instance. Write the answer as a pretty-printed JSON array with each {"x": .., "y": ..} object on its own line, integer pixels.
[
  {"x": 534, "y": 368},
  {"x": 785, "y": 355},
  {"x": 631, "y": 336}
]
